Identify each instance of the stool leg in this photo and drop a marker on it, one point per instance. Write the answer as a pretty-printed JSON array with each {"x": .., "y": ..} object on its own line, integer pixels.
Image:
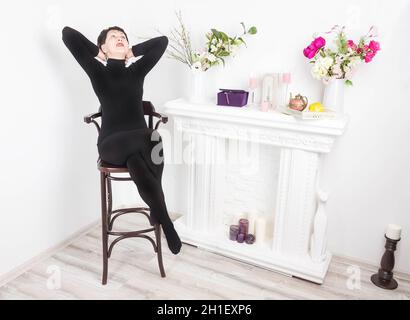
[
  {"x": 109, "y": 191},
  {"x": 159, "y": 249},
  {"x": 104, "y": 226}
]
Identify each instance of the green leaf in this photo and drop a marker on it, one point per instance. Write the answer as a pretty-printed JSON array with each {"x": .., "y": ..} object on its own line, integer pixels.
[
  {"x": 349, "y": 83},
  {"x": 243, "y": 41},
  {"x": 216, "y": 33},
  {"x": 224, "y": 36},
  {"x": 243, "y": 26},
  {"x": 252, "y": 30}
]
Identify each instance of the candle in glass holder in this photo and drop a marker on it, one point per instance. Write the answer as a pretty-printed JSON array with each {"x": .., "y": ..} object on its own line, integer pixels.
[
  {"x": 250, "y": 238},
  {"x": 243, "y": 226},
  {"x": 233, "y": 232},
  {"x": 241, "y": 238},
  {"x": 253, "y": 85}
]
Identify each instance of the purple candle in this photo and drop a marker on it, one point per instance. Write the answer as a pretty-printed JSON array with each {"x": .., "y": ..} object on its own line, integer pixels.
[
  {"x": 233, "y": 232},
  {"x": 250, "y": 238},
  {"x": 243, "y": 226},
  {"x": 241, "y": 238}
]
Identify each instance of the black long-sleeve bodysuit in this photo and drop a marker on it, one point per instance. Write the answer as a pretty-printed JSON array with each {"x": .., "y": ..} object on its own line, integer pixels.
[{"x": 125, "y": 138}]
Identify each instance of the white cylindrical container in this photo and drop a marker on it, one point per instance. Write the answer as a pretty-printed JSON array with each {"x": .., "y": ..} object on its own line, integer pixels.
[
  {"x": 333, "y": 95},
  {"x": 196, "y": 93}
]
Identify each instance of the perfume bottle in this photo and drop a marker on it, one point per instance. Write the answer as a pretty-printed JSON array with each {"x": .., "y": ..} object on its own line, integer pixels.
[
  {"x": 276, "y": 96},
  {"x": 286, "y": 80},
  {"x": 253, "y": 87},
  {"x": 267, "y": 92}
]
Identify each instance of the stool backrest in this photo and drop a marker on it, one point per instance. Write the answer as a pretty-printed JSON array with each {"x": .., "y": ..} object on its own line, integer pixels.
[{"x": 149, "y": 110}]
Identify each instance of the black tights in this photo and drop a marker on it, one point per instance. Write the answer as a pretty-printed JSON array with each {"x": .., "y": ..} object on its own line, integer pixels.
[{"x": 144, "y": 160}]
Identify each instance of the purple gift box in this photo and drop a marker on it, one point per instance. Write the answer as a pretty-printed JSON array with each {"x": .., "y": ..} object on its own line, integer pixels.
[{"x": 232, "y": 97}]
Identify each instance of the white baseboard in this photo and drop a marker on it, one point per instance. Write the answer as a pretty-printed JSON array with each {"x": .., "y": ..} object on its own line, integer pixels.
[{"x": 14, "y": 273}]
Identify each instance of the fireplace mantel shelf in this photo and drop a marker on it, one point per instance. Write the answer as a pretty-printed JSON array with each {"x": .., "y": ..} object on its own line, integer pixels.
[
  {"x": 272, "y": 127},
  {"x": 292, "y": 151}
]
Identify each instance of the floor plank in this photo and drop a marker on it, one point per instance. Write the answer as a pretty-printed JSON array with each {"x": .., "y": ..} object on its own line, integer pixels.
[{"x": 75, "y": 273}]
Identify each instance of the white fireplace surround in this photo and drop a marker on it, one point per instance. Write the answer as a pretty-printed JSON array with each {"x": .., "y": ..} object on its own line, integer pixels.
[{"x": 295, "y": 243}]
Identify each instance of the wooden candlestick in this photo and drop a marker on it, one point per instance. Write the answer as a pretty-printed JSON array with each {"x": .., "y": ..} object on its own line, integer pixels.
[{"x": 384, "y": 278}]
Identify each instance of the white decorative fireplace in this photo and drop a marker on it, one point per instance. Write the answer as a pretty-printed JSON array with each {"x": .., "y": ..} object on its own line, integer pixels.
[{"x": 279, "y": 182}]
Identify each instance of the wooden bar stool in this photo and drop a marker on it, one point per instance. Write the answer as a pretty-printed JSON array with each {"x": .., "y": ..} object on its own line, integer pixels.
[{"x": 108, "y": 215}]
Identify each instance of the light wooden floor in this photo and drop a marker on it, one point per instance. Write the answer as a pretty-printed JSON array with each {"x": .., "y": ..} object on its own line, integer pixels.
[{"x": 193, "y": 274}]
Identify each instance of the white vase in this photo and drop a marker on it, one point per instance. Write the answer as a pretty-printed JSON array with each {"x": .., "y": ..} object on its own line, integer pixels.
[
  {"x": 333, "y": 95},
  {"x": 196, "y": 92}
]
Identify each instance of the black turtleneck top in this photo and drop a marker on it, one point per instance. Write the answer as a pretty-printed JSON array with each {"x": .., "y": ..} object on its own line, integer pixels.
[{"x": 118, "y": 88}]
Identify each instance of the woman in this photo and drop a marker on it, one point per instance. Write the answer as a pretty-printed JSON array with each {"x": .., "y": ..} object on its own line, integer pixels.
[{"x": 125, "y": 138}]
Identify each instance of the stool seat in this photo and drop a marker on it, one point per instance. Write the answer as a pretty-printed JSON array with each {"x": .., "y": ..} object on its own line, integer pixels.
[{"x": 110, "y": 168}]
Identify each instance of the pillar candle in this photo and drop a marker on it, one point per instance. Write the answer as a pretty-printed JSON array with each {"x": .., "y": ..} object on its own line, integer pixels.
[
  {"x": 241, "y": 238},
  {"x": 260, "y": 230},
  {"x": 243, "y": 226},
  {"x": 233, "y": 232},
  {"x": 393, "y": 232},
  {"x": 252, "y": 218}
]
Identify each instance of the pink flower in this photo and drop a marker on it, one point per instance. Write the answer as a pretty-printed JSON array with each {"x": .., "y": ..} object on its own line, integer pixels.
[
  {"x": 352, "y": 45},
  {"x": 374, "y": 46},
  {"x": 309, "y": 53},
  {"x": 314, "y": 47},
  {"x": 319, "y": 42},
  {"x": 369, "y": 56}
]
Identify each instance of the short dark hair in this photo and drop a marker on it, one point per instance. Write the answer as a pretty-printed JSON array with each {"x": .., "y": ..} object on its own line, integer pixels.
[{"x": 103, "y": 35}]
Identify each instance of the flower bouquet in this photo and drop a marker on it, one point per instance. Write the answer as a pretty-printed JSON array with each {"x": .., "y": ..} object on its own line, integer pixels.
[
  {"x": 218, "y": 46},
  {"x": 341, "y": 61},
  {"x": 336, "y": 65}
]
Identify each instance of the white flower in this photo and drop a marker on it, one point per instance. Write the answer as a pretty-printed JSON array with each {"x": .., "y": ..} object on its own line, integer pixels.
[
  {"x": 326, "y": 62},
  {"x": 211, "y": 57},
  {"x": 321, "y": 67},
  {"x": 337, "y": 71},
  {"x": 354, "y": 61},
  {"x": 213, "y": 48}
]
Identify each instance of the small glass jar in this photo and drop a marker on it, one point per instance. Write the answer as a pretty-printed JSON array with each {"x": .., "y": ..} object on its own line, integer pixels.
[
  {"x": 233, "y": 232},
  {"x": 250, "y": 239},
  {"x": 241, "y": 238}
]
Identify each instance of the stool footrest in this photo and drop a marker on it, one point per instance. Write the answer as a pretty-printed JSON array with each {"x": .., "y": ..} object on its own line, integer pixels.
[
  {"x": 129, "y": 233},
  {"x": 119, "y": 212}
]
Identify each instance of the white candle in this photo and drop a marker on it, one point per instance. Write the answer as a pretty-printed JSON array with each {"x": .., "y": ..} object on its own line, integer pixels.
[
  {"x": 260, "y": 230},
  {"x": 393, "y": 232},
  {"x": 252, "y": 219}
]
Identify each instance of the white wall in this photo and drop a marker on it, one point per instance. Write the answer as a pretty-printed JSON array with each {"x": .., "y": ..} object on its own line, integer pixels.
[{"x": 50, "y": 185}]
